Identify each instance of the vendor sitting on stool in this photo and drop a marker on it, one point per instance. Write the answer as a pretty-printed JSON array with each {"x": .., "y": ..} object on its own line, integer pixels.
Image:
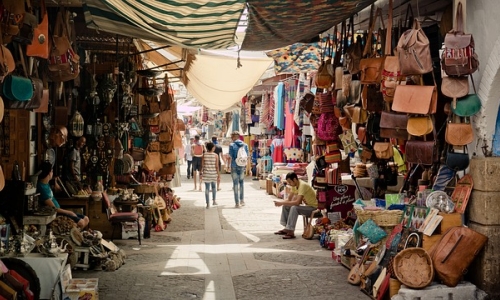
[{"x": 47, "y": 197}]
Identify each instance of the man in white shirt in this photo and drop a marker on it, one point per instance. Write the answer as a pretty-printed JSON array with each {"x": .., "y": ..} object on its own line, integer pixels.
[{"x": 188, "y": 157}]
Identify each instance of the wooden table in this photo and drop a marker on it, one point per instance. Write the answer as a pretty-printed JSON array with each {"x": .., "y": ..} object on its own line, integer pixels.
[{"x": 76, "y": 202}]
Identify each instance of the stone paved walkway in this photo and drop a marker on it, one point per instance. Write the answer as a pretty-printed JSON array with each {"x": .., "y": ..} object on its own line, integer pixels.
[{"x": 225, "y": 253}]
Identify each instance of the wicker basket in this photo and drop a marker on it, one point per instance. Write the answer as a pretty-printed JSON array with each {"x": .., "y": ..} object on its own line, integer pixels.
[
  {"x": 380, "y": 217},
  {"x": 413, "y": 268}
]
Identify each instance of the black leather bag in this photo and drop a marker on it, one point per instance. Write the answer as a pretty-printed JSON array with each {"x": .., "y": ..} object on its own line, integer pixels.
[{"x": 457, "y": 161}]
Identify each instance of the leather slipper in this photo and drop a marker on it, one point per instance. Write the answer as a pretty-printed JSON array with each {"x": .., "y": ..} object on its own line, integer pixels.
[
  {"x": 288, "y": 237},
  {"x": 281, "y": 232}
]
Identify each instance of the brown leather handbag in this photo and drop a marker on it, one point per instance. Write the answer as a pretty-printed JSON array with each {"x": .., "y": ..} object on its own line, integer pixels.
[
  {"x": 420, "y": 125},
  {"x": 357, "y": 114},
  {"x": 421, "y": 152},
  {"x": 371, "y": 68},
  {"x": 152, "y": 161},
  {"x": 372, "y": 99},
  {"x": 393, "y": 125},
  {"x": 454, "y": 252},
  {"x": 167, "y": 158},
  {"x": 415, "y": 99},
  {"x": 383, "y": 150},
  {"x": 455, "y": 87},
  {"x": 459, "y": 134}
]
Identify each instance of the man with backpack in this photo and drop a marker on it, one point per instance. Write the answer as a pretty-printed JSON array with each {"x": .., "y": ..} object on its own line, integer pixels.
[
  {"x": 197, "y": 150},
  {"x": 238, "y": 153}
]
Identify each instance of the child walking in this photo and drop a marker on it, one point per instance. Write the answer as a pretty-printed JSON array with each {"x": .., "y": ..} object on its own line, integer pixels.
[{"x": 210, "y": 172}]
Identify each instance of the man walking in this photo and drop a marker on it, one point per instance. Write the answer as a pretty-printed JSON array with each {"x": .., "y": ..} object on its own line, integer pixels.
[
  {"x": 218, "y": 151},
  {"x": 291, "y": 208},
  {"x": 189, "y": 158},
  {"x": 197, "y": 150},
  {"x": 238, "y": 168}
]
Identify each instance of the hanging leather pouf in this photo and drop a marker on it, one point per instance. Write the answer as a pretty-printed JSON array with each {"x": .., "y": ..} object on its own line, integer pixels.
[{"x": 76, "y": 125}]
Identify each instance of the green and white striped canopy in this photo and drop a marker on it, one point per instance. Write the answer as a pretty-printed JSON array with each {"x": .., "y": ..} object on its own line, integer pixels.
[{"x": 209, "y": 24}]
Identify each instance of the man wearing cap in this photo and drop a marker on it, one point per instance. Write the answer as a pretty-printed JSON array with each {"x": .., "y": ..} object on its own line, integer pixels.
[
  {"x": 188, "y": 157},
  {"x": 218, "y": 151},
  {"x": 237, "y": 172},
  {"x": 47, "y": 197}
]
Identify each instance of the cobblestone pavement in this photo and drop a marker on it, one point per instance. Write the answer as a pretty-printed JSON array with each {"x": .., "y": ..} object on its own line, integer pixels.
[{"x": 225, "y": 253}]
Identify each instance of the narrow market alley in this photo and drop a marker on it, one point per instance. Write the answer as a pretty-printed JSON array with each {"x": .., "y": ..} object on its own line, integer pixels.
[{"x": 225, "y": 253}]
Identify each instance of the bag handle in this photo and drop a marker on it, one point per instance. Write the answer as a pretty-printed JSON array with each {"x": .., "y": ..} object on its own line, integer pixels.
[
  {"x": 408, "y": 239},
  {"x": 452, "y": 249},
  {"x": 409, "y": 17},
  {"x": 459, "y": 19},
  {"x": 388, "y": 36},
  {"x": 369, "y": 43}
]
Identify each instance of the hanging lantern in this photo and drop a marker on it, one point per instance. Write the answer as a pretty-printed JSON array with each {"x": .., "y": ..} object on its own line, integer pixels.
[{"x": 76, "y": 125}]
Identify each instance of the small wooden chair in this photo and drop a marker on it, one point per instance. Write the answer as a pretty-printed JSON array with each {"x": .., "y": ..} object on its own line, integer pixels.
[{"x": 118, "y": 217}]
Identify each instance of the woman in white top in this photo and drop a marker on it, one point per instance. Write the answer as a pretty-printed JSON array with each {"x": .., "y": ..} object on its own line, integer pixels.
[{"x": 210, "y": 172}]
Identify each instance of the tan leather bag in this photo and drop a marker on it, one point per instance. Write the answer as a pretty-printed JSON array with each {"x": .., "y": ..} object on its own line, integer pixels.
[
  {"x": 419, "y": 126},
  {"x": 414, "y": 52},
  {"x": 415, "y": 99},
  {"x": 323, "y": 78},
  {"x": 309, "y": 230},
  {"x": 459, "y": 134},
  {"x": 167, "y": 158},
  {"x": 455, "y": 87},
  {"x": 454, "y": 252},
  {"x": 390, "y": 77},
  {"x": 152, "y": 161},
  {"x": 371, "y": 70},
  {"x": 357, "y": 114},
  {"x": 40, "y": 44},
  {"x": 383, "y": 150}
]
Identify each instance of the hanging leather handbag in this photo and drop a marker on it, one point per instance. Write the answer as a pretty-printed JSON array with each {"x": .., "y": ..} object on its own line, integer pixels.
[
  {"x": 391, "y": 75},
  {"x": 357, "y": 114},
  {"x": 371, "y": 70},
  {"x": 455, "y": 87},
  {"x": 64, "y": 63},
  {"x": 415, "y": 99},
  {"x": 459, "y": 57},
  {"x": 414, "y": 53},
  {"x": 152, "y": 161},
  {"x": 355, "y": 92},
  {"x": 421, "y": 152},
  {"x": 372, "y": 99},
  {"x": 36, "y": 100},
  {"x": 466, "y": 106},
  {"x": 454, "y": 252},
  {"x": 39, "y": 46},
  {"x": 18, "y": 90},
  {"x": 7, "y": 63},
  {"x": 167, "y": 158},
  {"x": 323, "y": 78},
  {"x": 393, "y": 125},
  {"x": 420, "y": 126},
  {"x": 353, "y": 55},
  {"x": 383, "y": 150},
  {"x": 459, "y": 134},
  {"x": 138, "y": 154},
  {"x": 457, "y": 161}
]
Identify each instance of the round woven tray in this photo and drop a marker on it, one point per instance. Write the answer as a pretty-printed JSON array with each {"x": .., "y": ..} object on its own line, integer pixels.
[
  {"x": 380, "y": 217},
  {"x": 413, "y": 268}
]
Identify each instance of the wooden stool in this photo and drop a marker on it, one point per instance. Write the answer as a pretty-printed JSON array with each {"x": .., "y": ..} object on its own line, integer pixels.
[{"x": 82, "y": 253}]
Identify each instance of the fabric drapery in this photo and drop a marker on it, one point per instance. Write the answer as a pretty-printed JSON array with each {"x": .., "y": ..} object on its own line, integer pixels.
[{"x": 209, "y": 24}]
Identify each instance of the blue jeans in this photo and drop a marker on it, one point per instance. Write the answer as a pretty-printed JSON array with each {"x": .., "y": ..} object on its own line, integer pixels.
[
  {"x": 238, "y": 175},
  {"x": 189, "y": 169},
  {"x": 209, "y": 185}
]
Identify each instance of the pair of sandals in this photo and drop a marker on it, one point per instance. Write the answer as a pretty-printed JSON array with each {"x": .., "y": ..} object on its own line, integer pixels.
[{"x": 286, "y": 235}]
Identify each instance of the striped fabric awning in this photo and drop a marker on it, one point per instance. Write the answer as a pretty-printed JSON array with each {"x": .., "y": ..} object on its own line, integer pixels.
[{"x": 209, "y": 24}]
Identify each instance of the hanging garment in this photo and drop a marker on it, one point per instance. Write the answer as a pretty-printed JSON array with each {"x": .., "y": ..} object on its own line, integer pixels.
[
  {"x": 291, "y": 129},
  {"x": 277, "y": 150},
  {"x": 271, "y": 111},
  {"x": 279, "y": 112}
]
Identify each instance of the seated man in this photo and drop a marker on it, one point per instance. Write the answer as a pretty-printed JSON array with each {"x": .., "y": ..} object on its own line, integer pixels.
[
  {"x": 291, "y": 208},
  {"x": 47, "y": 197}
]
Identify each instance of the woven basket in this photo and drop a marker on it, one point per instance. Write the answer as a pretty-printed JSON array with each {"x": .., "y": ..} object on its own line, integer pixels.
[
  {"x": 413, "y": 268},
  {"x": 380, "y": 217}
]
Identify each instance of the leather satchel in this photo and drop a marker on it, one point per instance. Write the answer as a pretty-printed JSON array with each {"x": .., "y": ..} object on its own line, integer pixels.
[
  {"x": 355, "y": 92},
  {"x": 345, "y": 122},
  {"x": 167, "y": 158},
  {"x": 415, "y": 99},
  {"x": 414, "y": 53},
  {"x": 357, "y": 114},
  {"x": 393, "y": 125},
  {"x": 37, "y": 98},
  {"x": 455, "y": 87},
  {"x": 309, "y": 230},
  {"x": 390, "y": 77},
  {"x": 323, "y": 78},
  {"x": 454, "y": 252},
  {"x": 383, "y": 150},
  {"x": 421, "y": 152},
  {"x": 457, "y": 161},
  {"x": 353, "y": 56},
  {"x": 39, "y": 46},
  {"x": 152, "y": 161},
  {"x": 459, "y": 57},
  {"x": 466, "y": 106},
  {"x": 420, "y": 126},
  {"x": 7, "y": 63},
  {"x": 459, "y": 134},
  {"x": 372, "y": 99},
  {"x": 371, "y": 70},
  {"x": 18, "y": 90}
]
